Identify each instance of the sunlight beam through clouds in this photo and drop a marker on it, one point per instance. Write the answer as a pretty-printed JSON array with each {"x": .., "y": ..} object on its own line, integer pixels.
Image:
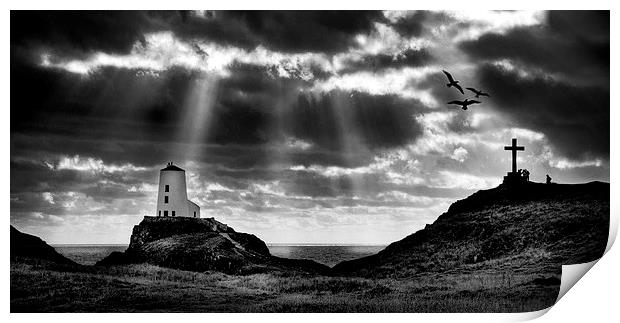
[
  {"x": 234, "y": 103},
  {"x": 197, "y": 119}
]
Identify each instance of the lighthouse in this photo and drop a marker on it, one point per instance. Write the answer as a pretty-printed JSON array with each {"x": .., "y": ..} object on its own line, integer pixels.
[{"x": 172, "y": 194}]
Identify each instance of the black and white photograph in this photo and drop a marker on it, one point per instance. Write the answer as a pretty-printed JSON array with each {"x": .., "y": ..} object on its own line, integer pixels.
[{"x": 307, "y": 161}]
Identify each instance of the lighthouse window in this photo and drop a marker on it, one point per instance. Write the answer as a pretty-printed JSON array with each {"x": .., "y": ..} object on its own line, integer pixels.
[
  {"x": 194, "y": 213},
  {"x": 165, "y": 199},
  {"x": 165, "y": 213},
  {"x": 159, "y": 213},
  {"x": 173, "y": 213},
  {"x": 167, "y": 188}
]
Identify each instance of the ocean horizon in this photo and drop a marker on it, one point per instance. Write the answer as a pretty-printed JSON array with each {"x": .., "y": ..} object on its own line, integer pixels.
[
  {"x": 327, "y": 254},
  {"x": 267, "y": 243}
]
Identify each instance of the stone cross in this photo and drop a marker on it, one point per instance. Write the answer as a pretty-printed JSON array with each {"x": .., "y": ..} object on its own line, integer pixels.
[{"x": 514, "y": 149}]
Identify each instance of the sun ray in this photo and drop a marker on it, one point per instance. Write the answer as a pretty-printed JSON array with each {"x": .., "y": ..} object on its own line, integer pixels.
[{"x": 197, "y": 119}]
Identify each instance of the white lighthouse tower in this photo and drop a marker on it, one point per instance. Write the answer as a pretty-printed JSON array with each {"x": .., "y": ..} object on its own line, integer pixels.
[{"x": 172, "y": 195}]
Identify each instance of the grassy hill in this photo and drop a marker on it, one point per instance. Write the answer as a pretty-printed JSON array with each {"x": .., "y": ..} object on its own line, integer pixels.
[
  {"x": 499, "y": 250},
  {"x": 26, "y": 246},
  {"x": 531, "y": 226}
]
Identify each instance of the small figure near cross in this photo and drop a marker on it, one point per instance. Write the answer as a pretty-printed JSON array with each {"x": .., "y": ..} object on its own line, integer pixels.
[{"x": 526, "y": 175}]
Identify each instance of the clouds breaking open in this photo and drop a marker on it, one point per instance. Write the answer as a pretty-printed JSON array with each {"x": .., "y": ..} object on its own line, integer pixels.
[{"x": 322, "y": 123}]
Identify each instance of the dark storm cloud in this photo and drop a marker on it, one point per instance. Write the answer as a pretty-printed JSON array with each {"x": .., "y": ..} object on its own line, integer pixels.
[
  {"x": 295, "y": 184},
  {"x": 65, "y": 100},
  {"x": 566, "y": 95},
  {"x": 35, "y": 176},
  {"x": 587, "y": 26},
  {"x": 410, "y": 26},
  {"x": 118, "y": 104},
  {"x": 287, "y": 31},
  {"x": 34, "y": 202},
  {"x": 122, "y": 115},
  {"x": 575, "y": 44},
  {"x": 115, "y": 114},
  {"x": 74, "y": 33},
  {"x": 323, "y": 31},
  {"x": 575, "y": 119},
  {"x": 420, "y": 22},
  {"x": 49, "y": 147},
  {"x": 302, "y": 183},
  {"x": 378, "y": 121},
  {"x": 407, "y": 58}
]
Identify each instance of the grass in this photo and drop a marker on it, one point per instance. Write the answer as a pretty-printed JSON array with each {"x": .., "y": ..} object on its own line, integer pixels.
[
  {"x": 42, "y": 287},
  {"x": 496, "y": 259},
  {"x": 551, "y": 232}
]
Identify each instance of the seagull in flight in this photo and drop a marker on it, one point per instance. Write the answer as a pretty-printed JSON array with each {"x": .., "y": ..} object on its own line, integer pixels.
[
  {"x": 453, "y": 82},
  {"x": 465, "y": 103},
  {"x": 478, "y": 93}
]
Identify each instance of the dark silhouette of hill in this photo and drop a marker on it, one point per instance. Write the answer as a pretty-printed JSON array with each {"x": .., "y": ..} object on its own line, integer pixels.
[
  {"x": 531, "y": 226},
  {"x": 203, "y": 244},
  {"x": 28, "y": 247},
  {"x": 499, "y": 250}
]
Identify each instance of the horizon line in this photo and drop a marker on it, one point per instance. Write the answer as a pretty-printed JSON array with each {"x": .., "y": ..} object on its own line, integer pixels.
[{"x": 267, "y": 243}]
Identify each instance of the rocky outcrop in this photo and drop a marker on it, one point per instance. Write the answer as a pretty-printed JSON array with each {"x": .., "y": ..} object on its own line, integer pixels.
[
  {"x": 202, "y": 245},
  {"x": 532, "y": 225},
  {"x": 26, "y": 246},
  {"x": 155, "y": 228}
]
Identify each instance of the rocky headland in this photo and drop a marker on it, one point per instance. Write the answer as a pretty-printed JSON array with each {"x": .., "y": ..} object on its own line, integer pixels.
[{"x": 203, "y": 244}]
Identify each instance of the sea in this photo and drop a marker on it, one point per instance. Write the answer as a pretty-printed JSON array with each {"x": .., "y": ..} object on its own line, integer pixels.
[{"x": 326, "y": 254}]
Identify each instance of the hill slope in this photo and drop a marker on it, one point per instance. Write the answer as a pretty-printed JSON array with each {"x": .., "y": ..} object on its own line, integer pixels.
[
  {"x": 532, "y": 226},
  {"x": 26, "y": 246}
]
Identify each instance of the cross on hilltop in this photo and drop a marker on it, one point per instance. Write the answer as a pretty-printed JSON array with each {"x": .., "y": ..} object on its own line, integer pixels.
[
  {"x": 515, "y": 177},
  {"x": 514, "y": 149}
]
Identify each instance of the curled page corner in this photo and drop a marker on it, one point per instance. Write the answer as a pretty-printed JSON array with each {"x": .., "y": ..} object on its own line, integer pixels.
[
  {"x": 571, "y": 274},
  {"x": 613, "y": 231},
  {"x": 528, "y": 316}
]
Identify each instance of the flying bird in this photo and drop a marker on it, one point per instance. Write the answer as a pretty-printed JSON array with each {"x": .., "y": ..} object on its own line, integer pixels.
[
  {"x": 465, "y": 103},
  {"x": 453, "y": 82},
  {"x": 478, "y": 93}
]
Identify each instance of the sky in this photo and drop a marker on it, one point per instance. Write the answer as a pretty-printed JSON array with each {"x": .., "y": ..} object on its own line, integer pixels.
[{"x": 298, "y": 127}]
